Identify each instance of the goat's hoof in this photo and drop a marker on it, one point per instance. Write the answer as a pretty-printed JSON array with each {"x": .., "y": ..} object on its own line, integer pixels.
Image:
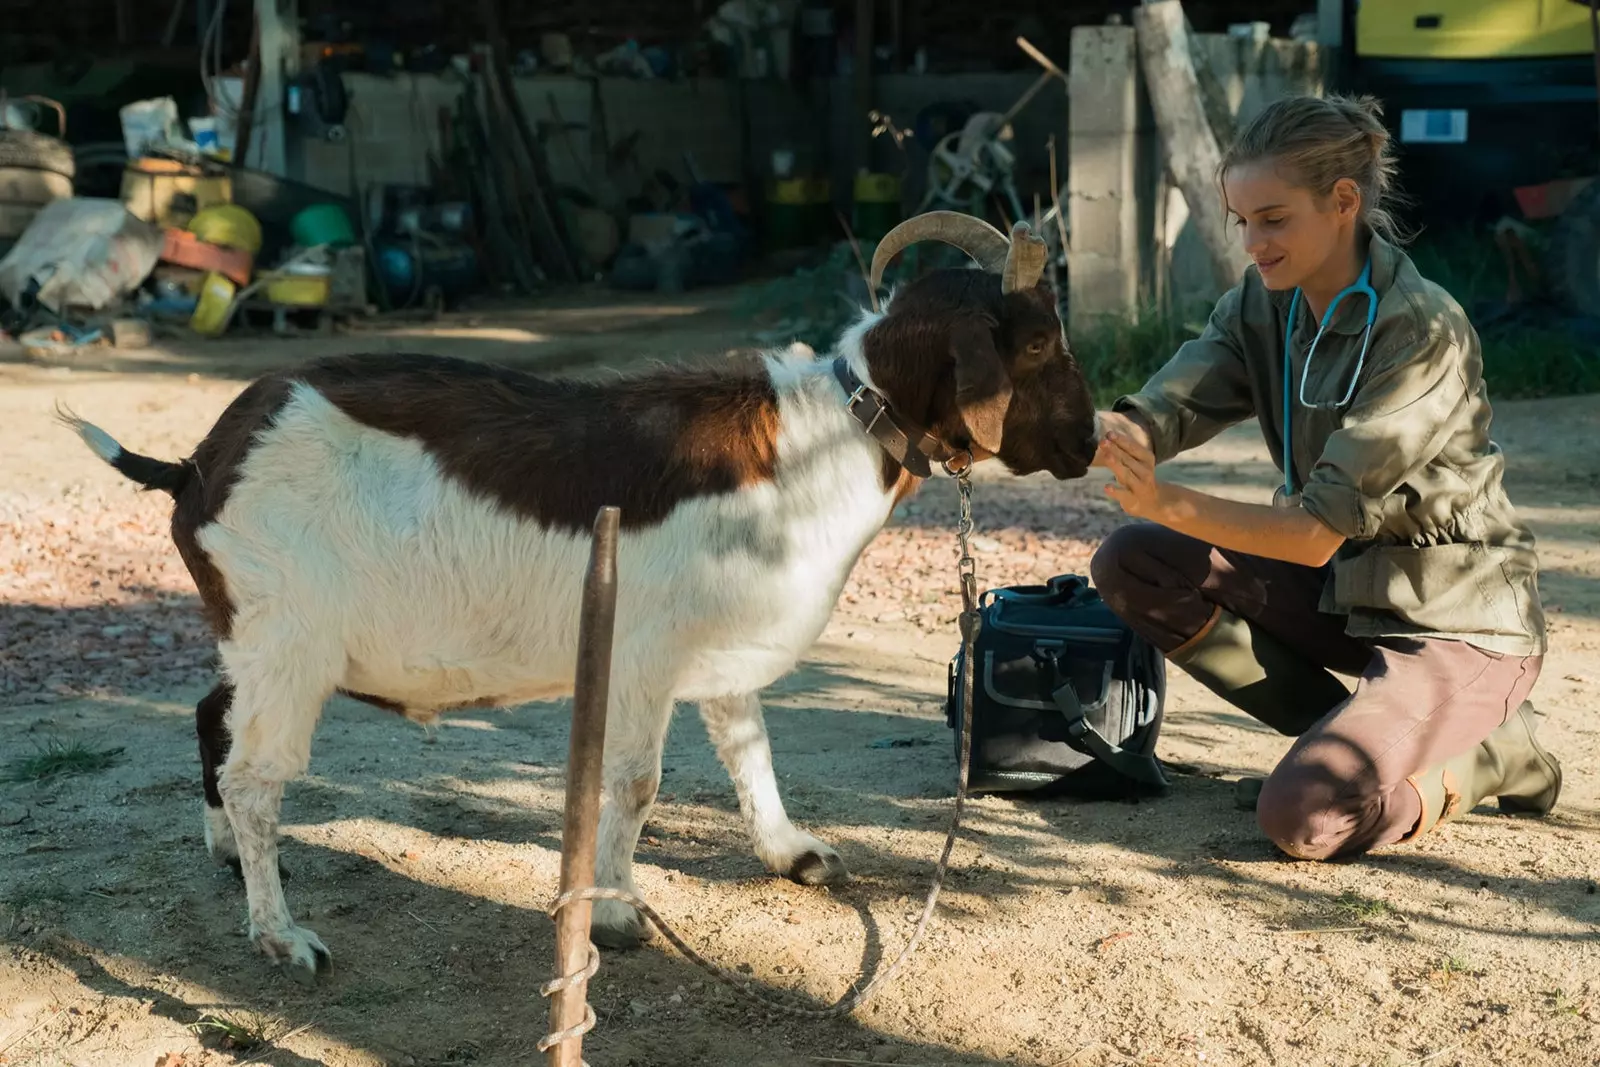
[
  {"x": 819, "y": 867},
  {"x": 615, "y": 925},
  {"x": 298, "y": 951}
]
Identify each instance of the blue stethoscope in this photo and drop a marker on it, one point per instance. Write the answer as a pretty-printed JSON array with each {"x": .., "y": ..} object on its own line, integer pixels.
[{"x": 1361, "y": 287}]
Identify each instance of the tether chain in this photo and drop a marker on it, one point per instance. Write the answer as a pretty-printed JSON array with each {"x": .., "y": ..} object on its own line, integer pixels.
[{"x": 966, "y": 569}]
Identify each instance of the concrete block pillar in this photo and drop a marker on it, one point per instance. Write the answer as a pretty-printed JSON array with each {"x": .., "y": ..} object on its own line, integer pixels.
[{"x": 1108, "y": 163}]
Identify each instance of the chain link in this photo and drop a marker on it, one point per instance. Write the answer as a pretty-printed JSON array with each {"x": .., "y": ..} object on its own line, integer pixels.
[{"x": 966, "y": 566}]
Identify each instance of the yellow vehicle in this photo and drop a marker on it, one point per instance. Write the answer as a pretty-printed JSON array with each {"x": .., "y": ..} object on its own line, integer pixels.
[
  {"x": 1473, "y": 29},
  {"x": 1483, "y": 96}
]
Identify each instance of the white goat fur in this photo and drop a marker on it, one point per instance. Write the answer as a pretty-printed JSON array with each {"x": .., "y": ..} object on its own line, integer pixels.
[{"x": 354, "y": 562}]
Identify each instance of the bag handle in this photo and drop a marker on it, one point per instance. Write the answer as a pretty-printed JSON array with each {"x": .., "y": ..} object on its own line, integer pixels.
[
  {"x": 1141, "y": 768},
  {"x": 1061, "y": 589}
]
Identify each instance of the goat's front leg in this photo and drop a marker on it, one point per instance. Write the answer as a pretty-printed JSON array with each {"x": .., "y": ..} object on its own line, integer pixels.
[
  {"x": 636, "y": 729},
  {"x": 737, "y": 729}
]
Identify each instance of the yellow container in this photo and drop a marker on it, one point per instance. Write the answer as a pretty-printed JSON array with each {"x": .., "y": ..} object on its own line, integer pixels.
[
  {"x": 877, "y": 188},
  {"x": 1472, "y": 29},
  {"x": 228, "y": 225},
  {"x": 300, "y": 290},
  {"x": 149, "y": 187},
  {"x": 211, "y": 311}
]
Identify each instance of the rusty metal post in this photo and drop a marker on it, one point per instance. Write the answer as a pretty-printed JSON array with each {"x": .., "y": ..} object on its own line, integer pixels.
[{"x": 584, "y": 763}]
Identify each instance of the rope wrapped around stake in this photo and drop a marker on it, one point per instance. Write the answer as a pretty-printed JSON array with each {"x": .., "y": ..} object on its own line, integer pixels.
[{"x": 970, "y": 625}]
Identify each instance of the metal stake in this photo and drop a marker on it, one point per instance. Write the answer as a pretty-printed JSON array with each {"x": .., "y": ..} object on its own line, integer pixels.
[{"x": 574, "y": 954}]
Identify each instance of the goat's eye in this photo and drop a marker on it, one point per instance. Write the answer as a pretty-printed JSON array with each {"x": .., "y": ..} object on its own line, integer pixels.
[{"x": 1037, "y": 347}]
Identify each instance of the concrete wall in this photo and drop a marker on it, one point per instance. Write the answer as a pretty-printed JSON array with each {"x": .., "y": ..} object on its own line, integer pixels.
[
  {"x": 393, "y": 125},
  {"x": 1132, "y": 243}
]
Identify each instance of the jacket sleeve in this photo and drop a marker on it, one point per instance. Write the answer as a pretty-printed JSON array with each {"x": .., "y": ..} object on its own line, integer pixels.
[
  {"x": 1417, "y": 394},
  {"x": 1203, "y": 389}
]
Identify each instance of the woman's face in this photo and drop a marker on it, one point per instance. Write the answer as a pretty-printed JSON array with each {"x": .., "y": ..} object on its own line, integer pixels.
[{"x": 1293, "y": 235}]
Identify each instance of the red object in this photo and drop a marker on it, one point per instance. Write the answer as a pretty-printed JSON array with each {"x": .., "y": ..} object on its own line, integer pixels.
[
  {"x": 1549, "y": 199},
  {"x": 186, "y": 250}
]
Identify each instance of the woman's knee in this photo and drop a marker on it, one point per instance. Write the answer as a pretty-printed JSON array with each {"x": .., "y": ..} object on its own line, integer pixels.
[
  {"x": 1122, "y": 564},
  {"x": 1297, "y": 810}
]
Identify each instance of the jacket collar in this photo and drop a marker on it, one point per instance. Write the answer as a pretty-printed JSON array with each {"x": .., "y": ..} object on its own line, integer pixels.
[{"x": 1351, "y": 315}]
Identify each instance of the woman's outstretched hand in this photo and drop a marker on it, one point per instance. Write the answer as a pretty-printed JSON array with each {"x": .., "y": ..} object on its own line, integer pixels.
[{"x": 1133, "y": 465}]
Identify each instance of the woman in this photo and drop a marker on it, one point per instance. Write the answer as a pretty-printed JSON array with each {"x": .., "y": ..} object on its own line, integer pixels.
[{"x": 1390, "y": 554}]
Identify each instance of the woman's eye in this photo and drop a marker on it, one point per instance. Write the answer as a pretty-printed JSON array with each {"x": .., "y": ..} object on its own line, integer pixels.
[{"x": 1279, "y": 221}]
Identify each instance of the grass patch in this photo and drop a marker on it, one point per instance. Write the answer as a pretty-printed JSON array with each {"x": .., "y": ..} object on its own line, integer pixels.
[
  {"x": 1528, "y": 355},
  {"x": 1119, "y": 355},
  {"x": 230, "y": 1032},
  {"x": 57, "y": 759},
  {"x": 1353, "y": 907}
]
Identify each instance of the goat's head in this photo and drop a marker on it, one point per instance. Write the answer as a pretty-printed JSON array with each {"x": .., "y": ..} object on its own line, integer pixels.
[{"x": 980, "y": 357}]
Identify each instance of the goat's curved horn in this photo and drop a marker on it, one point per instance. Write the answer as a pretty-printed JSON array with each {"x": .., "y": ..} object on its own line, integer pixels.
[
  {"x": 1024, "y": 260},
  {"x": 985, "y": 244}
]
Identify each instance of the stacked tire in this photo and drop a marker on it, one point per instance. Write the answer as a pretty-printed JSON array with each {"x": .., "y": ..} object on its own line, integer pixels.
[{"x": 34, "y": 170}]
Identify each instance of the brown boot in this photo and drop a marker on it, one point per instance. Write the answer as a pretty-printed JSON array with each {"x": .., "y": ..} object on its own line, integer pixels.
[{"x": 1509, "y": 764}]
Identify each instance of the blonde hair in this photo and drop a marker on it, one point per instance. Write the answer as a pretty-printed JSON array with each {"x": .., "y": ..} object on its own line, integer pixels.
[{"x": 1316, "y": 141}]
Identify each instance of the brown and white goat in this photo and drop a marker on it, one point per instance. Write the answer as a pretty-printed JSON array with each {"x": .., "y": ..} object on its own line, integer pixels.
[{"x": 413, "y": 530}]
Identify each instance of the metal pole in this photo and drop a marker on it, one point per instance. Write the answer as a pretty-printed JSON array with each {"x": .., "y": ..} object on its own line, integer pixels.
[{"x": 584, "y": 763}]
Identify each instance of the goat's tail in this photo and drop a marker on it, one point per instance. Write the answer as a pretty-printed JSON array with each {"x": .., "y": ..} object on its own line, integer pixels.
[{"x": 148, "y": 472}]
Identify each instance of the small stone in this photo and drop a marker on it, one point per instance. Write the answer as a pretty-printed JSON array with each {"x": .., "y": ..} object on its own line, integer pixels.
[
  {"x": 639, "y": 1008},
  {"x": 113, "y": 631},
  {"x": 12, "y": 814},
  {"x": 676, "y": 998},
  {"x": 161, "y": 640},
  {"x": 984, "y": 544}
]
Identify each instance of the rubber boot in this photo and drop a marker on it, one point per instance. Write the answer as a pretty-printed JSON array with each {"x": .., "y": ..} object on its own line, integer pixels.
[
  {"x": 1262, "y": 677},
  {"x": 1509, "y": 764}
]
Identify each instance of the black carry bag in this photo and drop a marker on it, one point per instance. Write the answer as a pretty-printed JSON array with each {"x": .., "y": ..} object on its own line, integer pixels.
[{"x": 1067, "y": 699}]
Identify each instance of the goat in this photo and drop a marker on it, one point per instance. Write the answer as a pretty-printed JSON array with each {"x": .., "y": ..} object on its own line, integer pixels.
[{"x": 412, "y": 531}]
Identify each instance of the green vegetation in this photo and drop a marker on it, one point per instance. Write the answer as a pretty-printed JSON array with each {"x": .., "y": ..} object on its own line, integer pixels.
[{"x": 56, "y": 759}]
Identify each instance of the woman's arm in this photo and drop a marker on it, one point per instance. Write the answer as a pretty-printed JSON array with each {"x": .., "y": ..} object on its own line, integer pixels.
[{"x": 1293, "y": 535}]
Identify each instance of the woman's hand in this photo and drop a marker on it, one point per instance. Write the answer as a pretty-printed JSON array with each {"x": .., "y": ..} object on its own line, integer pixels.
[
  {"x": 1133, "y": 466},
  {"x": 1115, "y": 422}
]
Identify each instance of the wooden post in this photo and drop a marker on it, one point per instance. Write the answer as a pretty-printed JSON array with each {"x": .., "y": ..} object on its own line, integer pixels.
[
  {"x": 1186, "y": 135},
  {"x": 585, "y": 760}
]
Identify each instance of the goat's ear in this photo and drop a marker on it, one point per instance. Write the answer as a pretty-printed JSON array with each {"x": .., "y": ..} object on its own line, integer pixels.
[{"x": 983, "y": 387}]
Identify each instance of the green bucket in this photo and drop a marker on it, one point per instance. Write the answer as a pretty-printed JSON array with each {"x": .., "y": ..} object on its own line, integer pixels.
[{"x": 322, "y": 224}]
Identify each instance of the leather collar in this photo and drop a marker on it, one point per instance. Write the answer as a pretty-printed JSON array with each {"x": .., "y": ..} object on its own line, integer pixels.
[{"x": 908, "y": 445}]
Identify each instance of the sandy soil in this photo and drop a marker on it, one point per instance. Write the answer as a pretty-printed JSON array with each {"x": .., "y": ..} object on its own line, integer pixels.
[{"x": 1070, "y": 934}]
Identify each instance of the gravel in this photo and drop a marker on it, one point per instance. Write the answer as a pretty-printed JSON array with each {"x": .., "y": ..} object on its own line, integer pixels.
[{"x": 94, "y": 601}]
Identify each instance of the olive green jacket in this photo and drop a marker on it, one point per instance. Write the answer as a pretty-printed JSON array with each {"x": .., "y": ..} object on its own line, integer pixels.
[{"x": 1406, "y": 471}]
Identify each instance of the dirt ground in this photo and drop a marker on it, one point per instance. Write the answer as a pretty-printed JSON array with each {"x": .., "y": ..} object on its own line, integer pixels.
[{"x": 1069, "y": 934}]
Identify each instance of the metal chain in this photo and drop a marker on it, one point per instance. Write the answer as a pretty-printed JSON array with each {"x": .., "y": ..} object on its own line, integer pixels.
[{"x": 966, "y": 570}]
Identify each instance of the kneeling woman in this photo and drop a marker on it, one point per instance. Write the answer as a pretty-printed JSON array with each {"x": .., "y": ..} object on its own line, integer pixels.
[{"x": 1391, "y": 553}]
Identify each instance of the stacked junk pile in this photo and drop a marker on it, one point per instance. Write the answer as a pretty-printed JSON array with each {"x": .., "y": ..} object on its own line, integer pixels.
[{"x": 198, "y": 244}]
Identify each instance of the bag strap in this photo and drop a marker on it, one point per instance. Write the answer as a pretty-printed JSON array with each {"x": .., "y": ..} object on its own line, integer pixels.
[{"x": 1141, "y": 768}]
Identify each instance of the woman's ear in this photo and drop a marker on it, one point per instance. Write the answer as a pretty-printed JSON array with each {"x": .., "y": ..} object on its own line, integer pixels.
[{"x": 1347, "y": 198}]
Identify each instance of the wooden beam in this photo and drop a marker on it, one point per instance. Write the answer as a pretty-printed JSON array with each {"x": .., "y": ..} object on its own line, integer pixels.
[{"x": 1193, "y": 155}]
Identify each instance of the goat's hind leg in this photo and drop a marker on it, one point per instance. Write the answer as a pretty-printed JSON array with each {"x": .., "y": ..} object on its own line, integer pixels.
[
  {"x": 739, "y": 732},
  {"x": 275, "y": 709},
  {"x": 211, "y": 729}
]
